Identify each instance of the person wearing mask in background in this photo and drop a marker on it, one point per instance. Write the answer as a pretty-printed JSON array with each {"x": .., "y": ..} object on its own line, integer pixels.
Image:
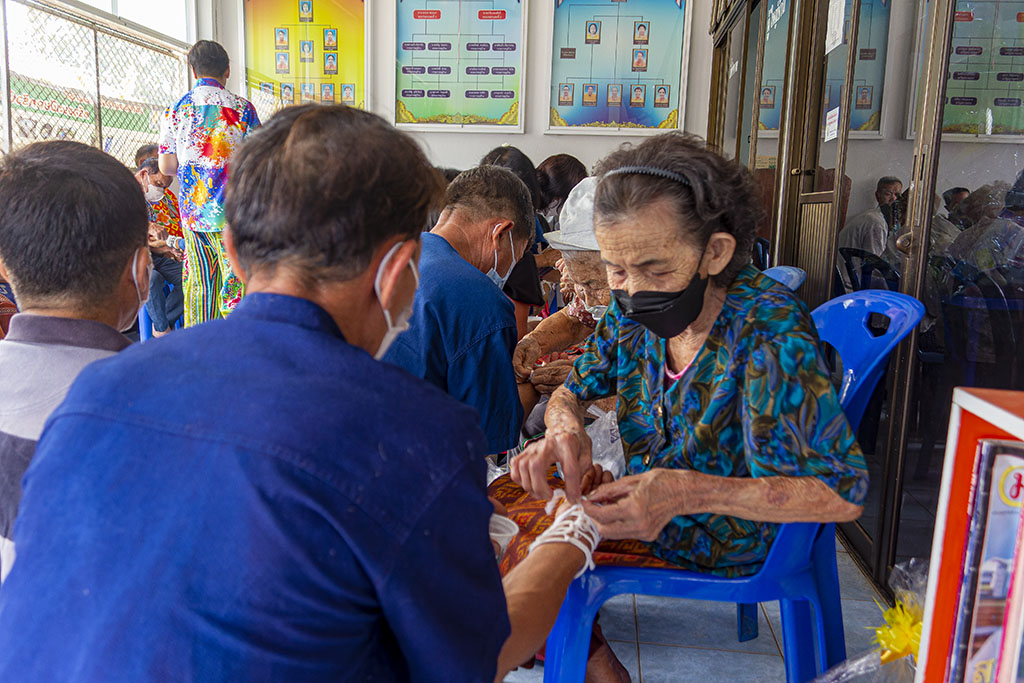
[
  {"x": 523, "y": 285},
  {"x": 344, "y": 539},
  {"x": 164, "y": 309},
  {"x": 951, "y": 198},
  {"x": 869, "y": 231},
  {"x": 197, "y": 138},
  {"x": 557, "y": 337},
  {"x": 556, "y": 176},
  {"x": 462, "y": 332},
  {"x": 80, "y": 268}
]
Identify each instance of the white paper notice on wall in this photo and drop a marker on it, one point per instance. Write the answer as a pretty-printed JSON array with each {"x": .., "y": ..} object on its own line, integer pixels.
[
  {"x": 832, "y": 124},
  {"x": 836, "y": 21}
]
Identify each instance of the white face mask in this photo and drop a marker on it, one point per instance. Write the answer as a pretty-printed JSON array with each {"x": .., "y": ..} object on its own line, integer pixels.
[
  {"x": 401, "y": 324},
  {"x": 154, "y": 194},
  {"x": 493, "y": 272},
  {"x": 141, "y": 292}
]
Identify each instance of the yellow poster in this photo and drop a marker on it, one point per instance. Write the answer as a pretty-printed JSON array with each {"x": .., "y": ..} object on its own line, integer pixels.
[{"x": 302, "y": 51}]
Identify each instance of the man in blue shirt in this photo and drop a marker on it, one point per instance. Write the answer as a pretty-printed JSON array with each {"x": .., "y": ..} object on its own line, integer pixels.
[
  {"x": 295, "y": 511},
  {"x": 463, "y": 329}
]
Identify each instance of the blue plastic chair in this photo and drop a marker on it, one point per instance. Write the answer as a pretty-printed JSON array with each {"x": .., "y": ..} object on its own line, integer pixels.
[
  {"x": 800, "y": 569},
  {"x": 791, "y": 276}
]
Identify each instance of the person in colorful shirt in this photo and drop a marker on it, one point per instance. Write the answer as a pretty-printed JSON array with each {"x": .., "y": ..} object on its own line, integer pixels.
[
  {"x": 729, "y": 422},
  {"x": 197, "y": 138},
  {"x": 164, "y": 308}
]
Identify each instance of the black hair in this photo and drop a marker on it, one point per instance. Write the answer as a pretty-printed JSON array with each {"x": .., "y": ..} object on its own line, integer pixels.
[
  {"x": 73, "y": 245},
  {"x": 493, "y": 192},
  {"x": 449, "y": 174},
  {"x": 208, "y": 59},
  {"x": 556, "y": 176},
  {"x": 152, "y": 165},
  {"x": 719, "y": 195},
  {"x": 145, "y": 152},
  {"x": 321, "y": 187},
  {"x": 514, "y": 160}
]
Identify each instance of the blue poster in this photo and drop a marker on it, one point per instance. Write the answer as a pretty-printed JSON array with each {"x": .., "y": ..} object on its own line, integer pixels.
[
  {"x": 617, "y": 63},
  {"x": 459, "y": 62},
  {"x": 774, "y": 70},
  {"x": 868, "y": 72}
]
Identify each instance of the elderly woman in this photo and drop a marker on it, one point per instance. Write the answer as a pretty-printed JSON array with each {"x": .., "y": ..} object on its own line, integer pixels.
[{"x": 543, "y": 357}]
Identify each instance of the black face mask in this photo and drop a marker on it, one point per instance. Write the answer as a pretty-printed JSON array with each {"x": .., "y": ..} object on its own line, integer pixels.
[{"x": 666, "y": 314}]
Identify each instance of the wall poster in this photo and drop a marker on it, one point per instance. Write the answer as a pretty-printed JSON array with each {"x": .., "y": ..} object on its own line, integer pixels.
[
  {"x": 460, "y": 63},
  {"x": 299, "y": 51},
  {"x": 617, "y": 64}
]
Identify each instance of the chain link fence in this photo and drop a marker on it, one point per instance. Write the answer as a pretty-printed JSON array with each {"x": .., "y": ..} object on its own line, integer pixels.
[{"x": 69, "y": 77}]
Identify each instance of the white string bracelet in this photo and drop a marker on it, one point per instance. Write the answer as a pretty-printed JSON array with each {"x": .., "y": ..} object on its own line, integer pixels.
[{"x": 572, "y": 526}]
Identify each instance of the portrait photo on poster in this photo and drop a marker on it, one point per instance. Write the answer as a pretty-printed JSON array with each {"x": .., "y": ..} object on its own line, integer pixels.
[
  {"x": 281, "y": 63},
  {"x": 661, "y": 96},
  {"x": 565, "y": 94},
  {"x": 308, "y": 94},
  {"x": 865, "y": 96},
  {"x": 306, "y": 51},
  {"x": 327, "y": 93},
  {"x": 348, "y": 93},
  {"x": 638, "y": 95},
  {"x": 641, "y": 31},
  {"x": 768, "y": 97},
  {"x": 640, "y": 59},
  {"x": 281, "y": 38},
  {"x": 331, "y": 64},
  {"x": 593, "y": 36},
  {"x": 267, "y": 89},
  {"x": 590, "y": 94},
  {"x": 287, "y": 93},
  {"x": 331, "y": 39},
  {"x": 306, "y": 10},
  {"x": 614, "y": 95}
]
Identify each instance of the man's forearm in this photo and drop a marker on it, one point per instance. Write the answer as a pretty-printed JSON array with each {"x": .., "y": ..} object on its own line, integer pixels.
[
  {"x": 564, "y": 413},
  {"x": 762, "y": 499}
]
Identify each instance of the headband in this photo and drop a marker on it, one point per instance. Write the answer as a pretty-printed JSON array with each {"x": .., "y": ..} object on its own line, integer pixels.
[{"x": 649, "y": 170}]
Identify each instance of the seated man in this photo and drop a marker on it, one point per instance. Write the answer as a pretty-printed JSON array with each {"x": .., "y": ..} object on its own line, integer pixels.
[
  {"x": 463, "y": 330},
  {"x": 163, "y": 308},
  {"x": 869, "y": 231},
  {"x": 80, "y": 268},
  {"x": 331, "y": 522}
]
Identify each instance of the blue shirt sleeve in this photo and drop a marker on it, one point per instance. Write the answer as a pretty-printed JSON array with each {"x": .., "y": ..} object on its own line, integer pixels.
[
  {"x": 444, "y": 600},
  {"x": 481, "y": 376}
]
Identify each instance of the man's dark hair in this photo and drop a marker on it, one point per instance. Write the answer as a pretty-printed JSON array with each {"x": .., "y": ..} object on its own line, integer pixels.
[
  {"x": 719, "y": 195},
  {"x": 321, "y": 187},
  {"x": 145, "y": 152},
  {"x": 948, "y": 195},
  {"x": 556, "y": 176},
  {"x": 493, "y": 192},
  {"x": 73, "y": 245},
  {"x": 517, "y": 162},
  {"x": 152, "y": 165},
  {"x": 887, "y": 180},
  {"x": 449, "y": 174},
  {"x": 208, "y": 59}
]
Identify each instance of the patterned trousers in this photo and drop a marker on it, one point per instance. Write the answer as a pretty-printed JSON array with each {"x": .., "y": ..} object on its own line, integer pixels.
[{"x": 212, "y": 290}]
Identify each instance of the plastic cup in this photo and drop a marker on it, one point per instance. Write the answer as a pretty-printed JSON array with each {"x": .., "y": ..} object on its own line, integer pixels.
[{"x": 502, "y": 530}]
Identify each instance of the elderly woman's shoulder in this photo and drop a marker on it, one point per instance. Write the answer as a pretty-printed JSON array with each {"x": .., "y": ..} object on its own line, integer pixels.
[{"x": 769, "y": 309}]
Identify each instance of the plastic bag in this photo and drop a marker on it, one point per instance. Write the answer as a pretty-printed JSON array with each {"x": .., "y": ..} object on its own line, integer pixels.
[
  {"x": 898, "y": 638},
  {"x": 605, "y": 442}
]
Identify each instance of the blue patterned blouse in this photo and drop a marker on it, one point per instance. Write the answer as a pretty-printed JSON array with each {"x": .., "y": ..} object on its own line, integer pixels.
[{"x": 756, "y": 402}]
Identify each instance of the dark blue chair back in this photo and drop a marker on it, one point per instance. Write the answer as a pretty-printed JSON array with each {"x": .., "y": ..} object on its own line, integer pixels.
[{"x": 791, "y": 276}]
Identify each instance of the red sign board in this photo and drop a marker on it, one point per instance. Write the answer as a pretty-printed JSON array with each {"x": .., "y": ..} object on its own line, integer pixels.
[
  {"x": 963, "y": 16},
  {"x": 491, "y": 14},
  {"x": 426, "y": 14}
]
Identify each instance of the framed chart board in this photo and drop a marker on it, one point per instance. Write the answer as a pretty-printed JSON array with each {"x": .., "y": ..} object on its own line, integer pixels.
[
  {"x": 617, "y": 66},
  {"x": 459, "y": 64},
  {"x": 300, "y": 51}
]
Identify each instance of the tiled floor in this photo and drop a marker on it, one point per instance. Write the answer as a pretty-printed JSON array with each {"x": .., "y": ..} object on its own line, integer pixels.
[{"x": 664, "y": 639}]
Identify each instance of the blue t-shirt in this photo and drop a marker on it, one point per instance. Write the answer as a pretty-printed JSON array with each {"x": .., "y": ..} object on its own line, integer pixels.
[
  {"x": 254, "y": 499},
  {"x": 461, "y": 338}
]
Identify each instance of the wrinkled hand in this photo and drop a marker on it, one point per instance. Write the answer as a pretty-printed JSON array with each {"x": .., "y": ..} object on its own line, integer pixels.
[
  {"x": 527, "y": 352},
  {"x": 551, "y": 375},
  {"x": 637, "y": 506},
  {"x": 569, "y": 447}
]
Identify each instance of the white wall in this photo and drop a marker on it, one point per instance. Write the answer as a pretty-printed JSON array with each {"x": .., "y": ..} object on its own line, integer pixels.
[{"x": 462, "y": 149}]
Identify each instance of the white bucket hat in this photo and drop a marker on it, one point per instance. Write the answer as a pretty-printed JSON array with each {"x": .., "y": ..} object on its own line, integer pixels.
[{"x": 576, "y": 222}]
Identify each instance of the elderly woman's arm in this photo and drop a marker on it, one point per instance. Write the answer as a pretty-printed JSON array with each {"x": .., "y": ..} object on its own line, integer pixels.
[
  {"x": 557, "y": 332},
  {"x": 641, "y": 506}
]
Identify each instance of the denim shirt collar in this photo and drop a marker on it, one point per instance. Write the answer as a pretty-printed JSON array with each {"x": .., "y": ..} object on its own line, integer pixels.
[{"x": 290, "y": 310}]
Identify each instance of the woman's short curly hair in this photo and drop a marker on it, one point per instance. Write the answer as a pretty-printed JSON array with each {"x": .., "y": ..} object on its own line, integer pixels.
[{"x": 719, "y": 195}]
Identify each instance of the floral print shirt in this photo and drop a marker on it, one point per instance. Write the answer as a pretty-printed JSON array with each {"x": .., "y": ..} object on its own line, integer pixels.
[
  {"x": 202, "y": 130},
  {"x": 756, "y": 401}
]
